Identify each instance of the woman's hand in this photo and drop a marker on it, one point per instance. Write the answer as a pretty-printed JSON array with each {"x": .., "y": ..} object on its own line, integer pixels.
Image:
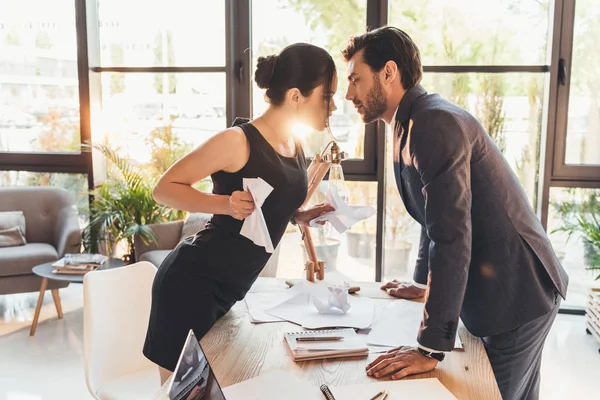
[
  {"x": 304, "y": 217},
  {"x": 241, "y": 204}
]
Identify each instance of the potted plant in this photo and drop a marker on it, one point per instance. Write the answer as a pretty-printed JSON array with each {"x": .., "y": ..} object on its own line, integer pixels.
[
  {"x": 581, "y": 215},
  {"x": 398, "y": 224},
  {"x": 361, "y": 236},
  {"x": 122, "y": 207}
]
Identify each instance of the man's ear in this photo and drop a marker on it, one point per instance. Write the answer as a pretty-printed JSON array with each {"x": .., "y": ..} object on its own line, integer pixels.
[{"x": 390, "y": 72}]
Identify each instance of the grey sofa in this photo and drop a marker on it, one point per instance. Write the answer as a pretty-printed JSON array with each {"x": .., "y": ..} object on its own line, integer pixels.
[
  {"x": 52, "y": 229},
  {"x": 169, "y": 234}
]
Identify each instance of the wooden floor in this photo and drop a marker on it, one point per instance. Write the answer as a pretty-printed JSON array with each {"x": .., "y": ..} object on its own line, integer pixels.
[{"x": 50, "y": 364}]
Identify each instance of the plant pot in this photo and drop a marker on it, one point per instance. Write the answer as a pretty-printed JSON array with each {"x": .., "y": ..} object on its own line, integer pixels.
[
  {"x": 360, "y": 245},
  {"x": 327, "y": 252},
  {"x": 396, "y": 259}
]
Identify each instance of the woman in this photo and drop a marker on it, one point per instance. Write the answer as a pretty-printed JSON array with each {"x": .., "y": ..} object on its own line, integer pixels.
[{"x": 207, "y": 274}]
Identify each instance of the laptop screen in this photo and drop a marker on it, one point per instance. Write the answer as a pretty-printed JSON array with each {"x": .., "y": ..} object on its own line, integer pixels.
[{"x": 193, "y": 378}]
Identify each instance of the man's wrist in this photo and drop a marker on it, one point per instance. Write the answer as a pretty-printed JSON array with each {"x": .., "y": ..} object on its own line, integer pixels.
[
  {"x": 419, "y": 285},
  {"x": 430, "y": 353}
]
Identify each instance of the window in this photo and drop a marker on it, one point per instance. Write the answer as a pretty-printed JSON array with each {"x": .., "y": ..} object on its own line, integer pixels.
[
  {"x": 159, "y": 33},
  {"x": 39, "y": 87},
  {"x": 570, "y": 210},
  {"x": 583, "y": 124},
  {"x": 155, "y": 119},
  {"x": 351, "y": 253},
  {"x": 475, "y": 32},
  {"x": 278, "y": 23}
]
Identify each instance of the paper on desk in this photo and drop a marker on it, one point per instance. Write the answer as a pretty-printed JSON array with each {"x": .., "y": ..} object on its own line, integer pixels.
[
  {"x": 255, "y": 227},
  {"x": 344, "y": 215},
  {"x": 336, "y": 301},
  {"x": 422, "y": 389},
  {"x": 301, "y": 310},
  {"x": 274, "y": 385},
  {"x": 258, "y": 302},
  {"x": 398, "y": 325}
]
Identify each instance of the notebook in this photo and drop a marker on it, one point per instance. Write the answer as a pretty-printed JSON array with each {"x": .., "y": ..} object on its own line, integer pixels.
[{"x": 351, "y": 344}]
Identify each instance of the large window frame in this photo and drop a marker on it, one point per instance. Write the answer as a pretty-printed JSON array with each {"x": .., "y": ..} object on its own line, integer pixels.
[{"x": 554, "y": 172}]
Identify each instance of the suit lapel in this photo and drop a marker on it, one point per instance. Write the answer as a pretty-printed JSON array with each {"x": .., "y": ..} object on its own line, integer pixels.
[{"x": 398, "y": 164}]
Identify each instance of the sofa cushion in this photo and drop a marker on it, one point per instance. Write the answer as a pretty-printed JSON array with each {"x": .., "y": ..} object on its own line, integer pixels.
[
  {"x": 21, "y": 259},
  {"x": 12, "y": 219},
  {"x": 156, "y": 257},
  {"x": 11, "y": 237},
  {"x": 193, "y": 223}
]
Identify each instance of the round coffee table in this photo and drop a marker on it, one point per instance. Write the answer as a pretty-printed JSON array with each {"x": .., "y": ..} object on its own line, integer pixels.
[{"x": 45, "y": 272}]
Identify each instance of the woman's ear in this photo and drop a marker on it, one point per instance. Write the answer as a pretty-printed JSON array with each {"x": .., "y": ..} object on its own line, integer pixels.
[{"x": 294, "y": 96}]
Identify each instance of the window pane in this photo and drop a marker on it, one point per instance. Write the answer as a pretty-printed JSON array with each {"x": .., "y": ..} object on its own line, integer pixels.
[
  {"x": 161, "y": 33},
  {"x": 351, "y": 253},
  {"x": 278, "y": 23},
  {"x": 76, "y": 184},
  {"x": 39, "y": 94},
  {"x": 576, "y": 253},
  {"x": 509, "y": 106},
  {"x": 154, "y": 119},
  {"x": 583, "y": 127},
  {"x": 480, "y": 32}
]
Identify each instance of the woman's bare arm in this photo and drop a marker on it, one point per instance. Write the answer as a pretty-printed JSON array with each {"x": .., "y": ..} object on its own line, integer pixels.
[{"x": 227, "y": 151}]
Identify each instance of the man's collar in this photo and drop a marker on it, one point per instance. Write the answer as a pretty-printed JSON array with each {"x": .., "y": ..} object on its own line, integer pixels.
[{"x": 412, "y": 94}]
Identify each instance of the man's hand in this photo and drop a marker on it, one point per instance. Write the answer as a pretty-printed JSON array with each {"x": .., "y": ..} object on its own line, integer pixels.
[
  {"x": 400, "y": 362},
  {"x": 304, "y": 217},
  {"x": 403, "y": 290}
]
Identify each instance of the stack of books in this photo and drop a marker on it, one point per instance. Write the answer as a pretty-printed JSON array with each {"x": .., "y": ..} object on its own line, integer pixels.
[
  {"x": 78, "y": 264},
  {"x": 319, "y": 344}
]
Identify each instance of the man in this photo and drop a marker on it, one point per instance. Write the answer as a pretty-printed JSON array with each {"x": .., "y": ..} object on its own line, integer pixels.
[{"x": 483, "y": 253}]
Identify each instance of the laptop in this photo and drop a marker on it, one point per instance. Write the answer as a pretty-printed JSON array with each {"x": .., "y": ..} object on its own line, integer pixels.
[{"x": 193, "y": 378}]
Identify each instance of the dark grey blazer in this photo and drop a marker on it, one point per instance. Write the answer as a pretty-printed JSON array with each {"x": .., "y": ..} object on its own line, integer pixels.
[{"x": 483, "y": 251}]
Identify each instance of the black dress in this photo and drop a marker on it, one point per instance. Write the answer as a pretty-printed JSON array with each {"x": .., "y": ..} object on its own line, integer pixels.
[{"x": 206, "y": 274}]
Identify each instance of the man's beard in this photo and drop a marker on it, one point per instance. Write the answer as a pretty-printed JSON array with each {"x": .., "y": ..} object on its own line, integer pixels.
[{"x": 376, "y": 102}]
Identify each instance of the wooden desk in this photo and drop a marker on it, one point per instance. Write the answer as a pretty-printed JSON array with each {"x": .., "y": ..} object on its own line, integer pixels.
[{"x": 239, "y": 350}]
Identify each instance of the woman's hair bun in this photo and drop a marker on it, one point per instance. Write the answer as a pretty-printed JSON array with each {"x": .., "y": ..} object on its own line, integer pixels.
[{"x": 265, "y": 67}]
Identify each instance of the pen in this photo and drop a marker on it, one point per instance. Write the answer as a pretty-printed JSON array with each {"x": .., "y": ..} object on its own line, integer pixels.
[
  {"x": 377, "y": 395},
  {"x": 328, "y": 395},
  {"x": 318, "y": 338},
  {"x": 385, "y": 395}
]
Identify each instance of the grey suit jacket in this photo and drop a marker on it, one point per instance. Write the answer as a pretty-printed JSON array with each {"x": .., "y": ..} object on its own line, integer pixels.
[{"x": 483, "y": 251}]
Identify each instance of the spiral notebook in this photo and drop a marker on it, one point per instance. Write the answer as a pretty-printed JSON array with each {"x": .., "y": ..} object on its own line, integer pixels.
[{"x": 351, "y": 345}]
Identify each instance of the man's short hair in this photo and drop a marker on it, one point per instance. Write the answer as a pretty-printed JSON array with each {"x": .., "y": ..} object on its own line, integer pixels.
[{"x": 388, "y": 44}]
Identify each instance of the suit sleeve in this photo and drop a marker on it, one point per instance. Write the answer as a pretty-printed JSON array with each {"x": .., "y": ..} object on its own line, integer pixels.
[
  {"x": 441, "y": 154},
  {"x": 422, "y": 267}
]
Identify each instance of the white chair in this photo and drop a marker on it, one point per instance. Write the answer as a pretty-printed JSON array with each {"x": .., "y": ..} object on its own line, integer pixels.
[{"x": 116, "y": 311}]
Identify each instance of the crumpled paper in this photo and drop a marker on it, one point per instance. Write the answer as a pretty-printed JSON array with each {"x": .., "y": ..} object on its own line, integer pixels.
[
  {"x": 337, "y": 300},
  {"x": 255, "y": 227},
  {"x": 344, "y": 215}
]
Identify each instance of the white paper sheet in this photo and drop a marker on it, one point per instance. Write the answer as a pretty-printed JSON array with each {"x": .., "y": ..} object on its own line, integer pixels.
[
  {"x": 257, "y": 303},
  {"x": 398, "y": 325},
  {"x": 422, "y": 389},
  {"x": 301, "y": 310},
  {"x": 254, "y": 226},
  {"x": 276, "y": 385},
  {"x": 344, "y": 215}
]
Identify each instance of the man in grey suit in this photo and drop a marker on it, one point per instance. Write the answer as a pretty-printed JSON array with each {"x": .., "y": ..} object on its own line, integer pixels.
[{"x": 483, "y": 255}]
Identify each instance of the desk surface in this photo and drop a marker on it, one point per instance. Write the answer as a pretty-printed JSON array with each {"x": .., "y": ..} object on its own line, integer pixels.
[{"x": 239, "y": 350}]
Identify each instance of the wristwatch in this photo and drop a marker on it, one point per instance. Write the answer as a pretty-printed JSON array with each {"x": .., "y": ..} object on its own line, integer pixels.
[
  {"x": 293, "y": 220},
  {"x": 436, "y": 356}
]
